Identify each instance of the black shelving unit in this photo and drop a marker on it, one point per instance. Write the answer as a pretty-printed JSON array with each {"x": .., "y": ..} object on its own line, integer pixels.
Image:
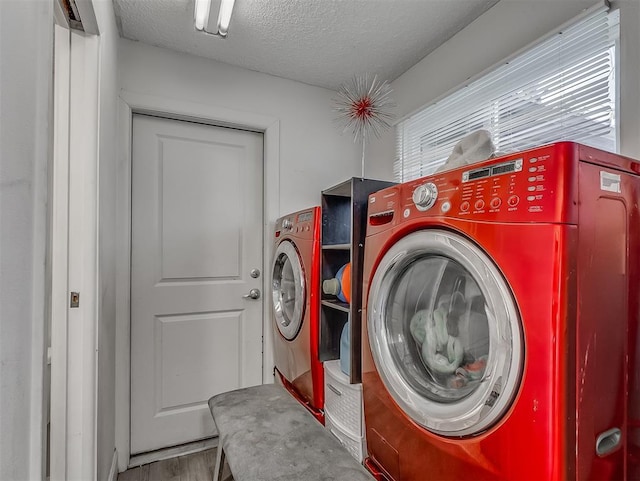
[{"x": 344, "y": 221}]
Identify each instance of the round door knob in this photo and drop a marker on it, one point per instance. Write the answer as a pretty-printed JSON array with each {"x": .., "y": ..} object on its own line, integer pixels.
[
  {"x": 425, "y": 195},
  {"x": 253, "y": 294}
]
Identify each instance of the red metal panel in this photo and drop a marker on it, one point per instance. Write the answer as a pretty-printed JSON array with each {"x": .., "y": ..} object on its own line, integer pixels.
[
  {"x": 317, "y": 370},
  {"x": 604, "y": 320}
]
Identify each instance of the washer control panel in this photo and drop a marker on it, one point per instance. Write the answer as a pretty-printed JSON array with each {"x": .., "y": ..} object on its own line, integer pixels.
[
  {"x": 539, "y": 185},
  {"x": 531, "y": 186}
]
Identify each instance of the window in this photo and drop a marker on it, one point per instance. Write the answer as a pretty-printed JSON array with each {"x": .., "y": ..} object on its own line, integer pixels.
[{"x": 563, "y": 88}]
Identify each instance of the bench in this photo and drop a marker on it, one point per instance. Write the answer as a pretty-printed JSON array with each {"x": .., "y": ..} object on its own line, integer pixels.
[{"x": 267, "y": 435}]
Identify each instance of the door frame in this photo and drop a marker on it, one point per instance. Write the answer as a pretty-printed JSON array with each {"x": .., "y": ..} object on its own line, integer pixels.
[
  {"x": 74, "y": 246},
  {"x": 131, "y": 103}
]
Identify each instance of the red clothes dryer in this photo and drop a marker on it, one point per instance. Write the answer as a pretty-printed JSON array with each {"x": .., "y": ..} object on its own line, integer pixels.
[
  {"x": 501, "y": 334},
  {"x": 295, "y": 276}
]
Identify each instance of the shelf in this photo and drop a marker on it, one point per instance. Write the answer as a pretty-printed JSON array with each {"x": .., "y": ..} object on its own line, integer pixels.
[
  {"x": 336, "y": 247},
  {"x": 341, "y": 306},
  {"x": 341, "y": 190},
  {"x": 344, "y": 223}
]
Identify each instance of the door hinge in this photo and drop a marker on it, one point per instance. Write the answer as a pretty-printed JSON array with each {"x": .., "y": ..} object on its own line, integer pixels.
[{"x": 75, "y": 299}]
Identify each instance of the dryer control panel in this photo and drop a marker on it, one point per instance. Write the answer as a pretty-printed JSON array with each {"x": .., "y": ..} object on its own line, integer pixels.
[{"x": 302, "y": 224}]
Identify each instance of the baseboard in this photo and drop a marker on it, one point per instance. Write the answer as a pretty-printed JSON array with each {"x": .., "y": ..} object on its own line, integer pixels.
[
  {"x": 182, "y": 450},
  {"x": 113, "y": 472}
]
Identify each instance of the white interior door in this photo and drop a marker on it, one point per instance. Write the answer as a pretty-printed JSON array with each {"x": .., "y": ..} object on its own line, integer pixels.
[{"x": 196, "y": 236}]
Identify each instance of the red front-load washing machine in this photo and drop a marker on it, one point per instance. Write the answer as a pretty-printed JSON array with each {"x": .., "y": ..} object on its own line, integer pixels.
[
  {"x": 295, "y": 289},
  {"x": 501, "y": 334}
]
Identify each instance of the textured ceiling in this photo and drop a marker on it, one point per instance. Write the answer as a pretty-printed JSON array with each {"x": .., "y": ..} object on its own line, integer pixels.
[{"x": 318, "y": 42}]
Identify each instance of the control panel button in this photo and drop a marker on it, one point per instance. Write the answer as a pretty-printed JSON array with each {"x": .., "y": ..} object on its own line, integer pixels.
[
  {"x": 446, "y": 206},
  {"x": 531, "y": 197},
  {"x": 495, "y": 202},
  {"x": 532, "y": 179},
  {"x": 531, "y": 188},
  {"x": 465, "y": 206},
  {"x": 533, "y": 169},
  {"x": 533, "y": 160},
  {"x": 479, "y": 205},
  {"x": 425, "y": 195},
  {"x": 513, "y": 200}
]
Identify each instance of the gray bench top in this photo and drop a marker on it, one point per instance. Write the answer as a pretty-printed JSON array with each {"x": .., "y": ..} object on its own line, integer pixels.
[{"x": 269, "y": 436}]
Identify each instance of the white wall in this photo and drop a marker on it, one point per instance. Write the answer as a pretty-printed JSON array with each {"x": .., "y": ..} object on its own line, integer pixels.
[
  {"x": 106, "y": 235},
  {"x": 313, "y": 154},
  {"x": 503, "y": 30},
  {"x": 26, "y": 39}
]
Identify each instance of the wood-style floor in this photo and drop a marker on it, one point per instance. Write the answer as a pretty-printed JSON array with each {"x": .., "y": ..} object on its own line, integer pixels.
[{"x": 192, "y": 467}]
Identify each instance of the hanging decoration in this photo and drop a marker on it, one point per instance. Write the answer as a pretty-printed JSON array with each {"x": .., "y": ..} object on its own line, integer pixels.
[{"x": 364, "y": 107}]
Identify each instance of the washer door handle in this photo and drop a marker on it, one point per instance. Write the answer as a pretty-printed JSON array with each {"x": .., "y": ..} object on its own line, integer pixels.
[
  {"x": 608, "y": 441},
  {"x": 253, "y": 294}
]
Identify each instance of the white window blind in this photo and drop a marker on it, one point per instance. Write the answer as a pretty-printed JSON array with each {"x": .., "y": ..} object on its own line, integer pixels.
[{"x": 563, "y": 88}]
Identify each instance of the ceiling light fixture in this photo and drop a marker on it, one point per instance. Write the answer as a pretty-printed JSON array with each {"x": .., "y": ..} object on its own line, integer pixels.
[{"x": 202, "y": 12}]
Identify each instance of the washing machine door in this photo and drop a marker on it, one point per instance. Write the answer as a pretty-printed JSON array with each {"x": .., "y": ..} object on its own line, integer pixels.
[
  {"x": 288, "y": 290},
  {"x": 445, "y": 333}
]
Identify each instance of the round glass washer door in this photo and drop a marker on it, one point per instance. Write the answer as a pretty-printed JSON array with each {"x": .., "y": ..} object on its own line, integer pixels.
[
  {"x": 288, "y": 290},
  {"x": 445, "y": 333}
]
